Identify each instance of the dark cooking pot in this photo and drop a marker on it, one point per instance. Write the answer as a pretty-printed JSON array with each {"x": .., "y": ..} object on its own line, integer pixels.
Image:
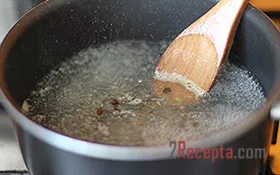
[{"x": 57, "y": 29}]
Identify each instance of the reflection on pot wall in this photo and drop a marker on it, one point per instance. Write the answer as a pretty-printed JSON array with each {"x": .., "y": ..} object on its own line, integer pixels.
[{"x": 11, "y": 11}]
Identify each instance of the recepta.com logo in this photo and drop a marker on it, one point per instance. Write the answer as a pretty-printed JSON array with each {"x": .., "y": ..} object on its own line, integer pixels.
[{"x": 180, "y": 150}]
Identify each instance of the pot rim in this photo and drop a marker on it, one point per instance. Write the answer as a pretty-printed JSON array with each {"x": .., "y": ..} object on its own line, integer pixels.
[{"x": 128, "y": 153}]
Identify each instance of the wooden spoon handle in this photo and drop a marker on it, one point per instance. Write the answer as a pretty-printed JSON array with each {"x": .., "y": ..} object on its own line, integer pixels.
[{"x": 219, "y": 25}]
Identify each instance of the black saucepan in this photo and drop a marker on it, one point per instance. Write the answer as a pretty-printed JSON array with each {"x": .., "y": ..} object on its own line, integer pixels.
[{"x": 30, "y": 51}]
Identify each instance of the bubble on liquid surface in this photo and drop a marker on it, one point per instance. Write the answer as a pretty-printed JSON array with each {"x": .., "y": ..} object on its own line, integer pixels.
[{"x": 70, "y": 96}]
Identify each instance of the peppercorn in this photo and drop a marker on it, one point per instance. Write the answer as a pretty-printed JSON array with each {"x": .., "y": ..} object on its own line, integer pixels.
[
  {"x": 99, "y": 111},
  {"x": 115, "y": 102}
]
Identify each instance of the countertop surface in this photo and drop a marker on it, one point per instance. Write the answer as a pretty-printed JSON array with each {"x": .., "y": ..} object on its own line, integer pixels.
[{"x": 10, "y": 156}]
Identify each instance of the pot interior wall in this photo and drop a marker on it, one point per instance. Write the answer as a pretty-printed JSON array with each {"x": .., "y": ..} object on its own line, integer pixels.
[{"x": 74, "y": 25}]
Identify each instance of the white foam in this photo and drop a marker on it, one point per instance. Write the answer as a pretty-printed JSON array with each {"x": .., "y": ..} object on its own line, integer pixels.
[{"x": 176, "y": 78}]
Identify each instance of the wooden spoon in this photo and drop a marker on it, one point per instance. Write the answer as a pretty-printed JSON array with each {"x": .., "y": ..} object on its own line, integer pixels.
[{"x": 188, "y": 68}]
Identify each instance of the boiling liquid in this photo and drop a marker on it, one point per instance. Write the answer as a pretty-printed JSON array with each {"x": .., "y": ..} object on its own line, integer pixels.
[{"x": 66, "y": 100}]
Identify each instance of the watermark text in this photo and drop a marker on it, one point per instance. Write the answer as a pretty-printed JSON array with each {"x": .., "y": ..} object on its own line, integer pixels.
[{"x": 180, "y": 149}]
